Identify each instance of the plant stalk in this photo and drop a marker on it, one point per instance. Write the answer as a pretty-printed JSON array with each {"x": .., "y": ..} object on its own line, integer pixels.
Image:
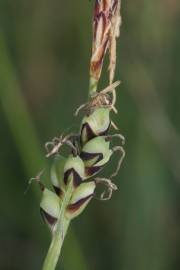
[
  {"x": 92, "y": 86},
  {"x": 105, "y": 33},
  {"x": 55, "y": 248},
  {"x": 54, "y": 251}
]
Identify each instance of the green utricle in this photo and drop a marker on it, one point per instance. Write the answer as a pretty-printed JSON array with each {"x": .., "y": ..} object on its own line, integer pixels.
[
  {"x": 75, "y": 163},
  {"x": 80, "y": 198},
  {"x": 57, "y": 171},
  {"x": 99, "y": 146}
]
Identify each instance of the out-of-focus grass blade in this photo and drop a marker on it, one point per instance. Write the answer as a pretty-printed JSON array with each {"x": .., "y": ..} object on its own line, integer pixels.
[
  {"x": 26, "y": 139},
  {"x": 17, "y": 115}
]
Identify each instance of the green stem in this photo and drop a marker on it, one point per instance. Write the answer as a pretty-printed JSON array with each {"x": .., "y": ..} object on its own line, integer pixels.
[
  {"x": 92, "y": 86},
  {"x": 60, "y": 233},
  {"x": 55, "y": 248}
]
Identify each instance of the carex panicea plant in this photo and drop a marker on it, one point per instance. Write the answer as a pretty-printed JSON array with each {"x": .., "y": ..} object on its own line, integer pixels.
[{"x": 75, "y": 177}]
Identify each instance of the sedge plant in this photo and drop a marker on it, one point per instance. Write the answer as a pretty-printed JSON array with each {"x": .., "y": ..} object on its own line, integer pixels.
[{"x": 76, "y": 176}]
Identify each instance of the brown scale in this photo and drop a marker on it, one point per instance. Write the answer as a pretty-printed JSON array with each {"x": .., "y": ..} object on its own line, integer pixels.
[
  {"x": 47, "y": 218},
  {"x": 75, "y": 206}
]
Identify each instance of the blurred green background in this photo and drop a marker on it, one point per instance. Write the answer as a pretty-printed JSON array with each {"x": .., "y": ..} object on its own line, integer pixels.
[{"x": 44, "y": 60}]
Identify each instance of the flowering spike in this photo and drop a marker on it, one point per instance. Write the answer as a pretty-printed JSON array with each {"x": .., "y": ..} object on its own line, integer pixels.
[
  {"x": 114, "y": 34},
  {"x": 106, "y": 22},
  {"x": 90, "y": 150},
  {"x": 101, "y": 31}
]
